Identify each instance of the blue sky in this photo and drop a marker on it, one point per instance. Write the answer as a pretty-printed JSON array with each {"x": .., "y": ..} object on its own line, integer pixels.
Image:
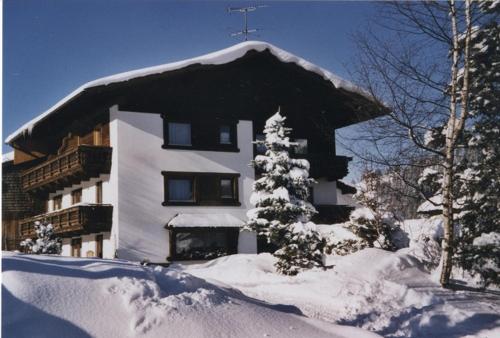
[{"x": 53, "y": 46}]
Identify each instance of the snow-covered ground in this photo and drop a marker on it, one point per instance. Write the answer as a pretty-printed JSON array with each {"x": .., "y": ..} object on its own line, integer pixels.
[
  {"x": 49, "y": 296},
  {"x": 391, "y": 294},
  {"x": 385, "y": 292}
]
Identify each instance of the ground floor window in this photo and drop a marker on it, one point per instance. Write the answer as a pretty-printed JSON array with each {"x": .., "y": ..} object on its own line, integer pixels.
[
  {"x": 98, "y": 245},
  {"x": 76, "y": 247},
  {"x": 203, "y": 243}
]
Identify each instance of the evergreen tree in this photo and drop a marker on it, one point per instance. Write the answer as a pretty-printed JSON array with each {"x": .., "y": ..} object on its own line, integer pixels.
[
  {"x": 281, "y": 212},
  {"x": 46, "y": 242},
  {"x": 478, "y": 244},
  {"x": 375, "y": 223}
]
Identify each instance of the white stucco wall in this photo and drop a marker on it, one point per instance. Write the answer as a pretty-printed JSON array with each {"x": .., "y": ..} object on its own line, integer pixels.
[
  {"x": 89, "y": 244},
  {"x": 325, "y": 192},
  {"x": 88, "y": 192},
  {"x": 140, "y": 159},
  {"x": 346, "y": 199}
]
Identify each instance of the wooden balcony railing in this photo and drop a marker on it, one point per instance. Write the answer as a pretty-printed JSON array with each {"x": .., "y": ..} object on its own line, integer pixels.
[
  {"x": 72, "y": 167},
  {"x": 76, "y": 220}
]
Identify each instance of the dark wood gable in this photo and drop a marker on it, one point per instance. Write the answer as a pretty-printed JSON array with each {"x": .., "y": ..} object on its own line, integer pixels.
[{"x": 249, "y": 88}]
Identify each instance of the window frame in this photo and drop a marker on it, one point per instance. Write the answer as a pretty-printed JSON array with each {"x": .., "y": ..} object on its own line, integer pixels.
[{"x": 198, "y": 200}]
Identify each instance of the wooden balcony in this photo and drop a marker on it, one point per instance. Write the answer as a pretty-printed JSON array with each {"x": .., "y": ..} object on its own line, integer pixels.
[
  {"x": 331, "y": 167},
  {"x": 76, "y": 220},
  {"x": 72, "y": 167}
]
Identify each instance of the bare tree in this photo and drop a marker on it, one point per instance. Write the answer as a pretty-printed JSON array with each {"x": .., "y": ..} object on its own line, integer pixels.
[{"x": 419, "y": 69}]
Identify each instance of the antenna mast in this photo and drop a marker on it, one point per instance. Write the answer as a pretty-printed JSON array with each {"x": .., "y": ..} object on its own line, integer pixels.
[{"x": 245, "y": 10}]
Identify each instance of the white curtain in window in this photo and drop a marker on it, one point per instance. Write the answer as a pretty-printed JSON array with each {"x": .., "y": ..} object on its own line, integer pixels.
[
  {"x": 180, "y": 190},
  {"x": 179, "y": 133}
]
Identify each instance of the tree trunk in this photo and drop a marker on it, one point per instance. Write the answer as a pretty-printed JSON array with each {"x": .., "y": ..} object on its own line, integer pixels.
[
  {"x": 453, "y": 130},
  {"x": 447, "y": 244}
]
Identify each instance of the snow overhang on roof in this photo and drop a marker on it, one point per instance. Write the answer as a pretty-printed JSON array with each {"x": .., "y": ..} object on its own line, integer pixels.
[
  {"x": 216, "y": 58},
  {"x": 205, "y": 221},
  {"x": 8, "y": 157}
]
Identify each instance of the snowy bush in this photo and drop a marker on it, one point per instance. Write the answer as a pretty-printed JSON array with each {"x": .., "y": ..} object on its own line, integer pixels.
[
  {"x": 282, "y": 213},
  {"x": 46, "y": 242},
  {"x": 375, "y": 223}
]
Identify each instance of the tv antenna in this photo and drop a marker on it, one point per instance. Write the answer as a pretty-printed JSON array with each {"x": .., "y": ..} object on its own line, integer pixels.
[{"x": 245, "y": 10}]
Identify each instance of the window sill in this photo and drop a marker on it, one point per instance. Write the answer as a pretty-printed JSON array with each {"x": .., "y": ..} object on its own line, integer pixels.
[{"x": 222, "y": 148}]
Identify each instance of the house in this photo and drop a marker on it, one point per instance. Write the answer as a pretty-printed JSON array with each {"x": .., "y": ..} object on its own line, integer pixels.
[{"x": 153, "y": 164}]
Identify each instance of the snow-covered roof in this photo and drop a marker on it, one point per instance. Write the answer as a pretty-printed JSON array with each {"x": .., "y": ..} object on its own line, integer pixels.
[
  {"x": 216, "y": 58},
  {"x": 8, "y": 157},
  {"x": 205, "y": 221}
]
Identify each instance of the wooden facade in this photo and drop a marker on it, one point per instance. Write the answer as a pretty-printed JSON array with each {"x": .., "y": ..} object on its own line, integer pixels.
[
  {"x": 73, "y": 221},
  {"x": 16, "y": 204}
]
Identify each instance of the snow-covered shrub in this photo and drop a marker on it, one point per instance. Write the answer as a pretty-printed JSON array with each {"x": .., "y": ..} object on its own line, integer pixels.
[
  {"x": 302, "y": 249},
  {"x": 46, "y": 242},
  {"x": 375, "y": 223},
  {"x": 281, "y": 212},
  {"x": 344, "y": 247}
]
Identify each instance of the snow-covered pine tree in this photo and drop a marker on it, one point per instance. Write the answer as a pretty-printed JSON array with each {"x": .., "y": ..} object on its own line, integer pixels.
[
  {"x": 282, "y": 213},
  {"x": 478, "y": 242},
  {"x": 375, "y": 223},
  {"x": 46, "y": 242}
]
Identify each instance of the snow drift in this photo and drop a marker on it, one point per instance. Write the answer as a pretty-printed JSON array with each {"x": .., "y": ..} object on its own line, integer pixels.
[
  {"x": 48, "y": 296},
  {"x": 391, "y": 293}
]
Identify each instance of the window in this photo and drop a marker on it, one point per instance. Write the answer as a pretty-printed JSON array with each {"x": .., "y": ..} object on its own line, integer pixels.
[
  {"x": 76, "y": 247},
  {"x": 207, "y": 134},
  {"x": 97, "y": 135},
  {"x": 226, "y": 188},
  {"x": 180, "y": 190},
  {"x": 57, "y": 200},
  {"x": 301, "y": 147},
  {"x": 179, "y": 134},
  {"x": 98, "y": 245},
  {"x": 98, "y": 192},
  {"x": 259, "y": 147},
  {"x": 202, "y": 243},
  {"x": 76, "y": 196},
  {"x": 225, "y": 134}
]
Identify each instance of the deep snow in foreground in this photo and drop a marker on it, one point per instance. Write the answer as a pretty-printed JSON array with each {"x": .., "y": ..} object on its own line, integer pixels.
[
  {"x": 48, "y": 296},
  {"x": 386, "y": 292}
]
